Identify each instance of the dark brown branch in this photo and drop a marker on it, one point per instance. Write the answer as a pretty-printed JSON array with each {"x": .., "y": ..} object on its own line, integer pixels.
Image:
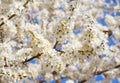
[
  {"x": 2, "y": 24},
  {"x": 109, "y": 32},
  {"x": 56, "y": 49},
  {"x": 11, "y": 16},
  {"x": 27, "y": 60},
  {"x": 55, "y": 45},
  {"x": 99, "y": 72},
  {"x": 25, "y": 4},
  {"x": 60, "y": 51},
  {"x": 41, "y": 81},
  {"x": 8, "y": 19},
  {"x": 117, "y": 66},
  {"x": 83, "y": 81}
]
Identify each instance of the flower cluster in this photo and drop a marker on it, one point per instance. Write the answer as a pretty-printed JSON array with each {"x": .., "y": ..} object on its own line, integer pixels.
[{"x": 45, "y": 31}]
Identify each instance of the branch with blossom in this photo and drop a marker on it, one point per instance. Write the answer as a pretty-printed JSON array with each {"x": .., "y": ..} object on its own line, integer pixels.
[{"x": 64, "y": 37}]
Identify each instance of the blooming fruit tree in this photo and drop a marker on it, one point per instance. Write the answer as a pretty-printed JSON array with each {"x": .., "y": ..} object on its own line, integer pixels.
[{"x": 63, "y": 37}]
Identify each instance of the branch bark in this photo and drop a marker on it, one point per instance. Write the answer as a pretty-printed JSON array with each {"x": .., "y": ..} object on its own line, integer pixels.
[
  {"x": 27, "y": 60},
  {"x": 100, "y": 72},
  {"x": 54, "y": 47},
  {"x": 25, "y": 4}
]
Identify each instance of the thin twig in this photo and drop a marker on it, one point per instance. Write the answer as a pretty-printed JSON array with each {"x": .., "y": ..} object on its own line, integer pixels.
[
  {"x": 27, "y": 60},
  {"x": 25, "y": 4},
  {"x": 8, "y": 19},
  {"x": 99, "y": 72},
  {"x": 82, "y": 81},
  {"x": 109, "y": 32},
  {"x": 56, "y": 49},
  {"x": 55, "y": 45},
  {"x": 1, "y": 32},
  {"x": 11, "y": 16},
  {"x": 2, "y": 24}
]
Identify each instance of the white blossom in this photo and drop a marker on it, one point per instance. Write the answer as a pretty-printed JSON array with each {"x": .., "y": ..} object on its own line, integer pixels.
[
  {"x": 44, "y": 31},
  {"x": 70, "y": 81}
]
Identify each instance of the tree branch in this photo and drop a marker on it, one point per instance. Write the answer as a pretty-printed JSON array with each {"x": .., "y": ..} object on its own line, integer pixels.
[
  {"x": 54, "y": 47},
  {"x": 100, "y": 72},
  {"x": 27, "y": 60},
  {"x": 25, "y": 4},
  {"x": 8, "y": 19},
  {"x": 109, "y": 32}
]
